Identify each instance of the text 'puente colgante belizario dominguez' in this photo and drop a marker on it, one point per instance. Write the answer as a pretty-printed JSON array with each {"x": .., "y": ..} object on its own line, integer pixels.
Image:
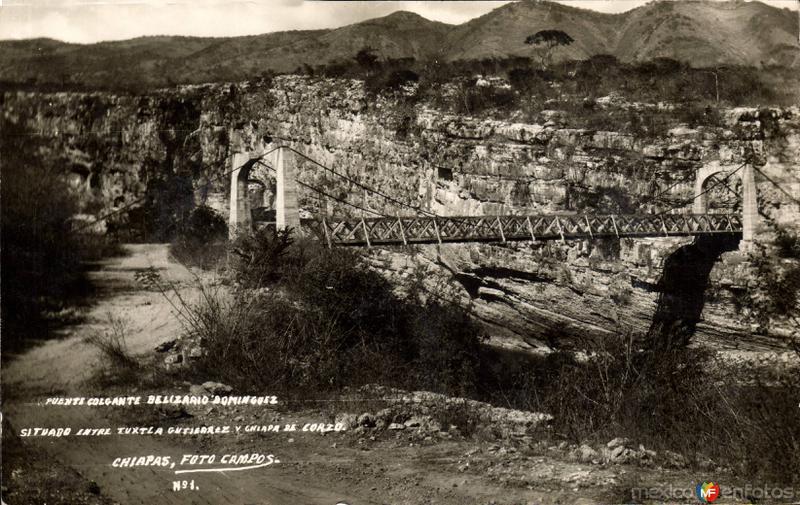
[{"x": 426, "y": 228}]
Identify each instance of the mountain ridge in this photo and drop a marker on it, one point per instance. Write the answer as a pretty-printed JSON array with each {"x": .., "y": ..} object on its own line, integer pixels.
[{"x": 744, "y": 33}]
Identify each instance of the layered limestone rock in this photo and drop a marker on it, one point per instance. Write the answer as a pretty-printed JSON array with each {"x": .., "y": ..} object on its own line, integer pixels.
[
  {"x": 569, "y": 295},
  {"x": 116, "y": 147}
]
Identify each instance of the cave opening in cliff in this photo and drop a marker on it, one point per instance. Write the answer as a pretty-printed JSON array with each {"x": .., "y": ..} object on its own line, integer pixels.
[
  {"x": 682, "y": 290},
  {"x": 444, "y": 173}
]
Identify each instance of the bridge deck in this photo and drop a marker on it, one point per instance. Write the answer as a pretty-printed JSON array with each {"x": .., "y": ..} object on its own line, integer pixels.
[{"x": 441, "y": 229}]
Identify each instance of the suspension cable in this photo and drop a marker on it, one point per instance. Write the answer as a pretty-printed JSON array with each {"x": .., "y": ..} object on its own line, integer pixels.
[
  {"x": 361, "y": 185},
  {"x": 340, "y": 200},
  {"x": 721, "y": 181},
  {"x": 666, "y": 190},
  {"x": 685, "y": 201},
  {"x": 321, "y": 192},
  {"x": 137, "y": 201},
  {"x": 710, "y": 188},
  {"x": 141, "y": 199},
  {"x": 791, "y": 197}
]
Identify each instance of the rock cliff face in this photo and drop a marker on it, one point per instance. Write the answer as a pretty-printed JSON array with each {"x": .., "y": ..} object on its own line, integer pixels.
[
  {"x": 116, "y": 147},
  {"x": 570, "y": 295}
]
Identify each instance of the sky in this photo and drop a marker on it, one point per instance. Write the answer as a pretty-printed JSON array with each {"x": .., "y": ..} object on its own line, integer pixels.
[{"x": 86, "y": 21}]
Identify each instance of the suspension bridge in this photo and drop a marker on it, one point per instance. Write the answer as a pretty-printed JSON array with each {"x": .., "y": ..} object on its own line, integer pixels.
[
  {"x": 432, "y": 230},
  {"x": 419, "y": 226}
]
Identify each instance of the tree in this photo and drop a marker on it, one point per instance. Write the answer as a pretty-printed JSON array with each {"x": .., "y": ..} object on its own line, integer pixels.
[
  {"x": 546, "y": 41},
  {"x": 367, "y": 58},
  {"x": 715, "y": 73}
]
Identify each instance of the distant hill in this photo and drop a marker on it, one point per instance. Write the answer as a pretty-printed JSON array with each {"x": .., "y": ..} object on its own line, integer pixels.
[
  {"x": 700, "y": 32},
  {"x": 707, "y": 33},
  {"x": 502, "y": 31}
]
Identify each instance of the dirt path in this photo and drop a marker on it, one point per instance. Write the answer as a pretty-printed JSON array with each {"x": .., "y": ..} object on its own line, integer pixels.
[{"x": 60, "y": 367}]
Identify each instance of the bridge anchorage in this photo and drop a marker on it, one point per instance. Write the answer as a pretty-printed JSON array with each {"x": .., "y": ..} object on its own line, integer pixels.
[{"x": 427, "y": 228}]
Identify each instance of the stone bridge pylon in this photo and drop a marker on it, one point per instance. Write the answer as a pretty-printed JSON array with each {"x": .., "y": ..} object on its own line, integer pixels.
[
  {"x": 279, "y": 158},
  {"x": 746, "y": 174}
]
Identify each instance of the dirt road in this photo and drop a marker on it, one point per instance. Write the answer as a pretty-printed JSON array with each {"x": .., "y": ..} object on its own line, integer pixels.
[{"x": 60, "y": 368}]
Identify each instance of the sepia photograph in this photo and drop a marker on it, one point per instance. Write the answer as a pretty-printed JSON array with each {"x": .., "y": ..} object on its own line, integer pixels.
[{"x": 327, "y": 252}]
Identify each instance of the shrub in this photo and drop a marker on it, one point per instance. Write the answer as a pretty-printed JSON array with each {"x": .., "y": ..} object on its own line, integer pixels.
[
  {"x": 781, "y": 286},
  {"x": 335, "y": 69},
  {"x": 474, "y": 99},
  {"x": 260, "y": 259},
  {"x": 447, "y": 346},
  {"x": 600, "y": 61},
  {"x": 683, "y": 400},
  {"x": 118, "y": 364},
  {"x": 787, "y": 243},
  {"x": 168, "y": 202},
  {"x": 367, "y": 58},
  {"x": 399, "y": 78},
  {"x": 661, "y": 66},
  {"x": 265, "y": 343},
  {"x": 695, "y": 114},
  {"x": 522, "y": 79},
  {"x": 313, "y": 319},
  {"x": 200, "y": 238},
  {"x": 112, "y": 344},
  {"x": 392, "y": 81},
  {"x": 777, "y": 294},
  {"x": 461, "y": 415}
]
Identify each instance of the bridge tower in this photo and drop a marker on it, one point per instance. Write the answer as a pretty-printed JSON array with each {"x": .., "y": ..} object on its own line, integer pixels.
[
  {"x": 750, "y": 218},
  {"x": 287, "y": 210}
]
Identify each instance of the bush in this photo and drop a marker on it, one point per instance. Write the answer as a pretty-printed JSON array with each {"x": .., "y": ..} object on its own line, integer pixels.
[
  {"x": 310, "y": 319},
  {"x": 530, "y": 81},
  {"x": 777, "y": 294},
  {"x": 118, "y": 364},
  {"x": 781, "y": 288},
  {"x": 682, "y": 400},
  {"x": 474, "y": 99},
  {"x": 447, "y": 346},
  {"x": 461, "y": 415},
  {"x": 200, "y": 239},
  {"x": 260, "y": 259},
  {"x": 112, "y": 344},
  {"x": 168, "y": 202},
  {"x": 787, "y": 242},
  {"x": 399, "y": 78},
  {"x": 695, "y": 114},
  {"x": 392, "y": 81},
  {"x": 265, "y": 343}
]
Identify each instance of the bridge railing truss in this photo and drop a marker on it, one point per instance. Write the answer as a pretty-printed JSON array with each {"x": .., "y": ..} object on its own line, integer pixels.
[{"x": 442, "y": 229}]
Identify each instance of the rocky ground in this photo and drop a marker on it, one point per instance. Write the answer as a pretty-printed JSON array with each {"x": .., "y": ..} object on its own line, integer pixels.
[{"x": 372, "y": 445}]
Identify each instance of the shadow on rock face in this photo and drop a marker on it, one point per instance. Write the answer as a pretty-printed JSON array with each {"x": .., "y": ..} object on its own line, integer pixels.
[{"x": 682, "y": 290}]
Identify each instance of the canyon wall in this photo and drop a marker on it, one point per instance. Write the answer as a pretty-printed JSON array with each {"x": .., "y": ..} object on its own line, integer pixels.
[{"x": 115, "y": 147}]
